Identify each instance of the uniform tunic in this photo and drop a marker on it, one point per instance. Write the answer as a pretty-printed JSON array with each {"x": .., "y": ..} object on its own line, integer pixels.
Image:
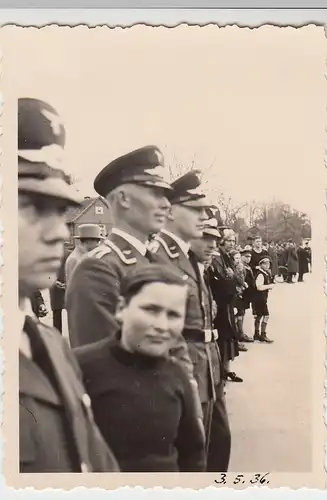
[
  {"x": 144, "y": 408},
  {"x": 94, "y": 289},
  {"x": 204, "y": 355},
  {"x": 77, "y": 254},
  {"x": 57, "y": 432}
]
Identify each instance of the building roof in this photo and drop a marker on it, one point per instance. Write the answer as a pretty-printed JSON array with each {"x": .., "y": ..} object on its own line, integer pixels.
[{"x": 74, "y": 213}]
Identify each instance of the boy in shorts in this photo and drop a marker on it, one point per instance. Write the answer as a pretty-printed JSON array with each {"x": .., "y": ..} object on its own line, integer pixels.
[{"x": 263, "y": 284}]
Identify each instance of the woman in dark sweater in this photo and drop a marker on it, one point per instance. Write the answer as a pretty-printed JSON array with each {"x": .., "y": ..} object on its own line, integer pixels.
[{"x": 141, "y": 398}]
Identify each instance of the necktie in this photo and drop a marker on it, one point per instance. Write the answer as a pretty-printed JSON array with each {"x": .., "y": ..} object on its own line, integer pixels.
[
  {"x": 39, "y": 353},
  {"x": 149, "y": 256}
]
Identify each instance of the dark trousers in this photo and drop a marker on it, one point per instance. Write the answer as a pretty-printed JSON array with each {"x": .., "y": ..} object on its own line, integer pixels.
[
  {"x": 57, "y": 319},
  {"x": 219, "y": 435},
  {"x": 290, "y": 277},
  {"x": 300, "y": 276}
]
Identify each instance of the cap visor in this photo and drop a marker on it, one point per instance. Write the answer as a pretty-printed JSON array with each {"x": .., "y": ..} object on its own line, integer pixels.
[
  {"x": 54, "y": 187},
  {"x": 89, "y": 237},
  {"x": 158, "y": 184},
  {"x": 212, "y": 232},
  {"x": 197, "y": 203}
]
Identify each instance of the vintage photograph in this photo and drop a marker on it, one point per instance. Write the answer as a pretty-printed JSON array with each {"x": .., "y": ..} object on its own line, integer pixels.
[{"x": 163, "y": 204}]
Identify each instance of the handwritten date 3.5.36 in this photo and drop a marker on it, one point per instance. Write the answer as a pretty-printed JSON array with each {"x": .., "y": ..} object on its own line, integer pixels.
[{"x": 249, "y": 480}]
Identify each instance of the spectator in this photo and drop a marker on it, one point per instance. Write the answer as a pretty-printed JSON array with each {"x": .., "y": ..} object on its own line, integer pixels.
[
  {"x": 292, "y": 262},
  {"x": 260, "y": 300},
  {"x": 273, "y": 255},
  {"x": 89, "y": 236},
  {"x": 223, "y": 286}
]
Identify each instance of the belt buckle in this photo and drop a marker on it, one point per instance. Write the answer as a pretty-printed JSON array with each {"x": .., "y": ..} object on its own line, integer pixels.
[{"x": 207, "y": 336}]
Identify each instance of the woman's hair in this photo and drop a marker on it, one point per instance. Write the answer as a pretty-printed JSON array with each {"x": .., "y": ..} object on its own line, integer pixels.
[
  {"x": 226, "y": 234},
  {"x": 146, "y": 274},
  {"x": 234, "y": 252}
]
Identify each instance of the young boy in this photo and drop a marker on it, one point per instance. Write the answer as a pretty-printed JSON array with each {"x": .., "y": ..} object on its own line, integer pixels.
[
  {"x": 243, "y": 303},
  {"x": 260, "y": 298}
]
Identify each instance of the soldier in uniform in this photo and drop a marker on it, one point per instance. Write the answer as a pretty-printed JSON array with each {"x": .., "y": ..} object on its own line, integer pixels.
[
  {"x": 57, "y": 432},
  {"x": 136, "y": 191},
  {"x": 186, "y": 222}
]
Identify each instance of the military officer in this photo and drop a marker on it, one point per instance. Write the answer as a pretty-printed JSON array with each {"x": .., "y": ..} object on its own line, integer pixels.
[
  {"x": 186, "y": 222},
  {"x": 136, "y": 192},
  {"x": 57, "y": 432}
]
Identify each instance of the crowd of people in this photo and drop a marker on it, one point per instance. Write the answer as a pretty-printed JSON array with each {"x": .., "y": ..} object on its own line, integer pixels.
[{"x": 155, "y": 315}]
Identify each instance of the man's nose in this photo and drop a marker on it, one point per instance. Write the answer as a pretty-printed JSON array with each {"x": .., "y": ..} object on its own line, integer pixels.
[
  {"x": 56, "y": 229},
  {"x": 203, "y": 214},
  {"x": 164, "y": 203}
]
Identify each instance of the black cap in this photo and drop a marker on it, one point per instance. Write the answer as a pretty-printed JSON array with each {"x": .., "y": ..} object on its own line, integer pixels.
[
  {"x": 144, "y": 166},
  {"x": 150, "y": 273},
  {"x": 186, "y": 191},
  {"x": 247, "y": 250},
  {"x": 41, "y": 140}
]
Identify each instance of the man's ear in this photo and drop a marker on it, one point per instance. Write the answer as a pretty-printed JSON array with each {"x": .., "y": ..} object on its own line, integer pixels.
[
  {"x": 124, "y": 198},
  {"x": 170, "y": 214},
  {"x": 120, "y": 309}
]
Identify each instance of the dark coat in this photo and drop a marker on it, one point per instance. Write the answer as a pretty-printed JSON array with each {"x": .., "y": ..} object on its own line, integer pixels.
[
  {"x": 54, "y": 427},
  {"x": 272, "y": 252},
  {"x": 224, "y": 290},
  {"x": 292, "y": 262},
  {"x": 282, "y": 257},
  {"x": 57, "y": 291},
  {"x": 304, "y": 260},
  {"x": 93, "y": 292}
]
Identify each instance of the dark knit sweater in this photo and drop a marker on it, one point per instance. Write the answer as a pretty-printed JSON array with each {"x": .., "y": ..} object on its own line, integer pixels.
[{"x": 144, "y": 408}]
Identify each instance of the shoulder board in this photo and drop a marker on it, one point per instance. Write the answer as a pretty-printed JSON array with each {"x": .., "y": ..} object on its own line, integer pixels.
[
  {"x": 121, "y": 253},
  {"x": 169, "y": 249},
  {"x": 99, "y": 252}
]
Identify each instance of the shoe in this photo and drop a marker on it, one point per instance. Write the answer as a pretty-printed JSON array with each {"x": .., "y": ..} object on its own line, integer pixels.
[
  {"x": 233, "y": 377},
  {"x": 267, "y": 340},
  {"x": 242, "y": 347},
  {"x": 256, "y": 337},
  {"x": 246, "y": 338}
]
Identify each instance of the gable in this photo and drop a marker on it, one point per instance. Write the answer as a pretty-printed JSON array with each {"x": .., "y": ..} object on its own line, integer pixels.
[{"x": 97, "y": 212}]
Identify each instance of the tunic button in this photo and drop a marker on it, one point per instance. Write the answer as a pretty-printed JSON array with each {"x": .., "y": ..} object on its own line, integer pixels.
[
  {"x": 86, "y": 400},
  {"x": 84, "y": 467}
]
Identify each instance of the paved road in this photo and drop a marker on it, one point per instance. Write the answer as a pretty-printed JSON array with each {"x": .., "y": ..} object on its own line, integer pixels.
[{"x": 270, "y": 411}]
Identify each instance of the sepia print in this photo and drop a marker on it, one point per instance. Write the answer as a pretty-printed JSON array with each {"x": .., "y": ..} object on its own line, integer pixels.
[{"x": 163, "y": 196}]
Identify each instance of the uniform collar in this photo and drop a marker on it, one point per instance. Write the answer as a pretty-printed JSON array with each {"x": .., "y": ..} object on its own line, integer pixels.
[
  {"x": 185, "y": 247},
  {"x": 136, "y": 243}
]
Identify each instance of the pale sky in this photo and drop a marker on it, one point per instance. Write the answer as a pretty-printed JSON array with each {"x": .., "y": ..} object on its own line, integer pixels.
[{"x": 247, "y": 100}]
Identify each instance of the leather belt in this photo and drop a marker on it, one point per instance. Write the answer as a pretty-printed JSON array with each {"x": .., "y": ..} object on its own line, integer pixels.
[{"x": 195, "y": 335}]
